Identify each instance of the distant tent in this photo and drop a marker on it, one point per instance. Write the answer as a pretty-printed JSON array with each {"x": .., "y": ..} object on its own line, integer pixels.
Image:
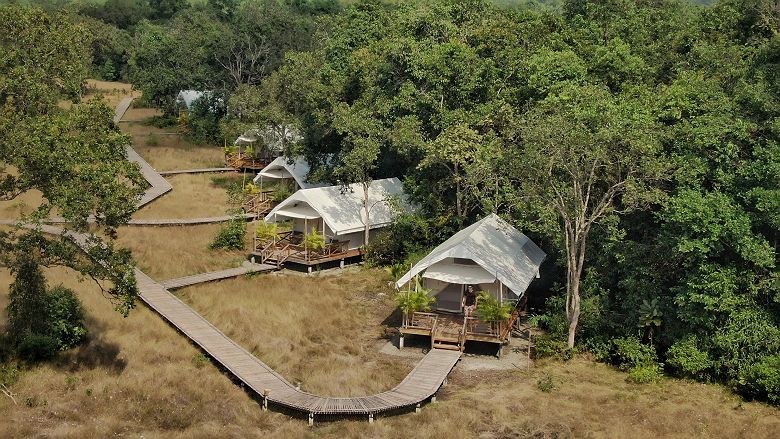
[
  {"x": 338, "y": 213},
  {"x": 269, "y": 137},
  {"x": 286, "y": 169},
  {"x": 187, "y": 97},
  {"x": 489, "y": 253}
]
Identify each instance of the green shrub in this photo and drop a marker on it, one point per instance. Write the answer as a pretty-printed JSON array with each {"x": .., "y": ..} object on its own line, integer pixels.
[
  {"x": 648, "y": 373},
  {"x": 281, "y": 193},
  {"x": 629, "y": 352},
  {"x": 688, "y": 360},
  {"x": 600, "y": 347},
  {"x": 231, "y": 236},
  {"x": 489, "y": 309},
  {"x": 266, "y": 230},
  {"x": 545, "y": 384},
  {"x": 762, "y": 379},
  {"x": 416, "y": 300},
  {"x": 314, "y": 241},
  {"x": 550, "y": 347},
  {"x": 66, "y": 318},
  {"x": 38, "y": 347}
]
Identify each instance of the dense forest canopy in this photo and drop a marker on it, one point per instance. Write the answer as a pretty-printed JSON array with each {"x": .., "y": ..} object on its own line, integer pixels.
[{"x": 636, "y": 140}]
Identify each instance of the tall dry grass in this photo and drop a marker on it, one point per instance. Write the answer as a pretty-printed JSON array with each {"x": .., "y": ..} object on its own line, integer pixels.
[
  {"x": 324, "y": 332},
  {"x": 193, "y": 196}
]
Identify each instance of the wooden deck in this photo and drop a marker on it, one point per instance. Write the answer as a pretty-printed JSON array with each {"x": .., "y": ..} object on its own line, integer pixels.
[
  {"x": 212, "y": 276},
  {"x": 121, "y": 109},
  {"x": 196, "y": 171}
]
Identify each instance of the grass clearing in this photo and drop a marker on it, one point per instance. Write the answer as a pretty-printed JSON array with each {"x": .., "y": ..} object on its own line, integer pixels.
[{"x": 193, "y": 196}]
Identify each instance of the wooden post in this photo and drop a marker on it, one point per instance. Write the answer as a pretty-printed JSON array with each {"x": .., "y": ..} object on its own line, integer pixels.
[
  {"x": 401, "y": 342},
  {"x": 433, "y": 398},
  {"x": 311, "y": 418},
  {"x": 266, "y": 392},
  {"x": 370, "y": 418},
  {"x": 417, "y": 409},
  {"x": 529, "y": 348}
]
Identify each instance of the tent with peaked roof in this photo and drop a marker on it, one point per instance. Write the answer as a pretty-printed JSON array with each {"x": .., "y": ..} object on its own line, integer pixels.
[
  {"x": 287, "y": 169},
  {"x": 338, "y": 212},
  {"x": 490, "y": 254}
]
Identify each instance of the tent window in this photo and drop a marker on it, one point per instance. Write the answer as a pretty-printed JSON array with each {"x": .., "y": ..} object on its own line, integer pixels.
[{"x": 463, "y": 261}]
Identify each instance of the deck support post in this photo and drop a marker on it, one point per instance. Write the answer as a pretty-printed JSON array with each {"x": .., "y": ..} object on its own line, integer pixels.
[
  {"x": 252, "y": 259},
  {"x": 266, "y": 392},
  {"x": 417, "y": 408},
  {"x": 445, "y": 382},
  {"x": 298, "y": 385},
  {"x": 370, "y": 418},
  {"x": 433, "y": 398},
  {"x": 341, "y": 264},
  {"x": 311, "y": 418},
  {"x": 401, "y": 342},
  {"x": 309, "y": 269}
]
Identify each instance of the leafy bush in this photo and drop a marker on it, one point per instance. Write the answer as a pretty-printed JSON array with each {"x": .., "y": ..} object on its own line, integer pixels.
[
  {"x": 204, "y": 116},
  {"x": 762, "y": 380},
  {"x": 649, "y": 373},
  {"x": 66, "y": 318},
  {"x": 231, "y": 236},
  {"x": 489, "y": 309},
  {"x": 629, "y": 352},
  {"x": 548, "y": 347},
  {"x": 688, "y": 360},
  {"x": 281, "y": 193},
  {"x": 266, "y": 230},
  {"x": 417, "y": 300},
  {"x": 546, "y": 384},
  {"x": 152, "y": 140},
  {"x": 38, "y": 347},
  {"x": 314, "y": 241},
  {"x": 251, "y": 189}
]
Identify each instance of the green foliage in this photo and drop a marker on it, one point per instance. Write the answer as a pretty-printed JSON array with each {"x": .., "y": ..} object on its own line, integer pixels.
[
  {"x": 251, "y": 189},
  {"x": 152, "y": 140},
  {"x": 37, "y": 347},
  {"x": 762, "y": 379},
  {"x": 648, "y": 373},
  {"x": 489, "y": 309},
  {"x": 27, "y": 302},
  {"x": 629, "y": 353},
  {"x": 416, "y": 300},
  {"x": 203, "y": 121},
  {"x": 230, "y": 236},
  {"x": 314, "y": 241},
  {"x": 546, "y": 384},
  {"x": 545, "y": 347},
  {"x": 688, "y": 359},
  {"x": 266, "y": 230},
  {"x": 281, "y": 193},
  {"x": 65, "y": 317},
  {"x": 200, "y": 360}
]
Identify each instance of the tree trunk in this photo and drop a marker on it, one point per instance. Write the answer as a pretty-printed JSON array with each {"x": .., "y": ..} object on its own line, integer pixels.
[
  {"x": 575, "y": 249},
  {"x": 367, "y": 209}
]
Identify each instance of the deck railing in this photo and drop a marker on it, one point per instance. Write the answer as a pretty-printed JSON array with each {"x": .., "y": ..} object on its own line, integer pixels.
[
  {"x": 476, "y": 326},
  {"x": 290, "y": 246},
  {"x": 420, "y": 320},
  {"x": 259, "y": 204}
]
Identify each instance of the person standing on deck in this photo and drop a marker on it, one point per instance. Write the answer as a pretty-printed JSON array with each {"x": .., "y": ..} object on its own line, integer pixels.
[{"x": 469, "y": 303}]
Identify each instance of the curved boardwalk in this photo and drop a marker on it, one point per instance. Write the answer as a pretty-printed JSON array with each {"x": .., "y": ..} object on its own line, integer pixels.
[
  {"x": 421, "y": 384},
  {"x": 196, "y": 171}
]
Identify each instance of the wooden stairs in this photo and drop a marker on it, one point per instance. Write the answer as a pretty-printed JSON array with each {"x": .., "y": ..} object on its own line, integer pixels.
[{"x": 448, "y": 341}]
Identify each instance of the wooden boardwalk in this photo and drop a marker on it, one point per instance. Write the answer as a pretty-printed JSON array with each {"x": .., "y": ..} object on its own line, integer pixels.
[
  {"x": 159, "y": 185},
  {"x": 121, "y": 109},
  {"x": 166, "y": 221},
  {"x": 421, "y": 384},
  {"x": 182, "y": 282},
  {"x": 196, "y": 171}
]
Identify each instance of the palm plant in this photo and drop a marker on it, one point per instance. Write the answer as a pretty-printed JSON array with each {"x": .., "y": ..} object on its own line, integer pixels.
[
  {"x": 314, "y": 241},
  {"x": 266, "y": 230},
  {"x": 490, "y": 310},
  {"x": 418, "y": 300},
  {"x": 650, "y": 316}
]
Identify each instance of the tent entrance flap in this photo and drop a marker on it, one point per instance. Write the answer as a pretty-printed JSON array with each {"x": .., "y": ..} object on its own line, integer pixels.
[{"x": 459, "y": 274}]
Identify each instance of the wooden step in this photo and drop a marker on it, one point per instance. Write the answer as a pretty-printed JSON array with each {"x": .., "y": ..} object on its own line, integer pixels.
[
  {"x": 451, "y": 339},
  {"x": 449, "y": 347}
]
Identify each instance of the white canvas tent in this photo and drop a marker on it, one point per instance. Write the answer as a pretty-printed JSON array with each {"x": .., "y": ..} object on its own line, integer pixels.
[
  {"x": 270, "y": 137},
  {"x": 285, "y": 168},
  {"x": 490, "y": 253},
  {"x": 339, "y": 213},
  {"x": 187, "y": 97}
]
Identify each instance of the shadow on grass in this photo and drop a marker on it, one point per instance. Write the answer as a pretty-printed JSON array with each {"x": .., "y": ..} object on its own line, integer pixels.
[{"x": 92, "y": 354}]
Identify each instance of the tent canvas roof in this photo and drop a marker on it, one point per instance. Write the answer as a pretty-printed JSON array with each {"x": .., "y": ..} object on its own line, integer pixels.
[
  {"x": 189, "y": 96},
  {"x": 282, "y": 168},
  {"x": 500, "y": 249},
  {"x": 342, "y": 210}
]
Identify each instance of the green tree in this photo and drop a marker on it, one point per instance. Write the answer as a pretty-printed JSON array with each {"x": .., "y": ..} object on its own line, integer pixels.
[
  {"x": 587, "y": 156},
  {"x": 74, "y": 158},
  {"x": 27, "y": 302}
]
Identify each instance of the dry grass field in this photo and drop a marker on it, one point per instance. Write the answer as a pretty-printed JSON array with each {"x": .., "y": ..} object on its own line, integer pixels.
[{"x": 138, "y": 377}]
